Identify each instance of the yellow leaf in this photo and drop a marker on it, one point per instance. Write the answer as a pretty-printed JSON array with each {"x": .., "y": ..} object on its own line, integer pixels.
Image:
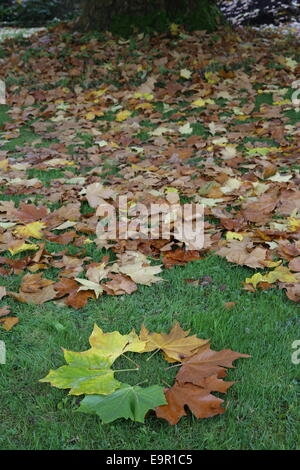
[
  {"x": 292, "y": 64},
  {"x": 174, "y": 29},
  {"x": 255, "y": 279},
  {"x": 146, "y": 96},
  {"x": 90, "y": 116},
  {"x": 59, "y": 162},
  {"x": 144, "y": 106},
  {"x": 234, "y": 236},
  {"x": 294, "y": 224},
  {"x": 99, "y": 92},
  {"x": 243, "y": 117},
  {"x": 123, "y": 115},
  {"x": 4, "y": 164},
  {"x": 272, "y": 264},
  {"x": 201, "y": 102},
  {"x": 281, "y": 274},
  {"x": 280, "y": 103},
  {"x": 211, "y": 78},
  {"x": 23, "y": 247},
  {"x": 30, "y": 230},
  {"x": 169, "y": 189},
  {"x": 176, "y": 345},
  {"x": 112, "y": 345}
]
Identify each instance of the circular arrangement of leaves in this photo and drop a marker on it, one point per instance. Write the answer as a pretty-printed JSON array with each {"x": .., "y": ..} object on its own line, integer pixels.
[{"x": 201, "y": 371}]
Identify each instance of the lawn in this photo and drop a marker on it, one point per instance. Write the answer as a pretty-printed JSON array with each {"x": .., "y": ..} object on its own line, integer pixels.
[{"x": 262, "y": 407}]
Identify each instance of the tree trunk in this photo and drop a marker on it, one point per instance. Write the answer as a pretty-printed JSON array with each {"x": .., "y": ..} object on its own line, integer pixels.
[{"x": 99, "y": 14}]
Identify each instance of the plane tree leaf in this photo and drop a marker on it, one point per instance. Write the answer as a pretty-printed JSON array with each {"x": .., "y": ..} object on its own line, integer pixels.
[
  {"x": 206, "y": 364},
  {"x": 202, "y": 403},
  {"x": 113, "y": 345},
  {"x": 198, "y": 376},
  {"x": 87, "y": 372},
  {"x": 176, "y": 345},
  {"x": 201, "y": 371},
  {"x": 129, "y": 402},
  {"x": 82, "y": 380}
]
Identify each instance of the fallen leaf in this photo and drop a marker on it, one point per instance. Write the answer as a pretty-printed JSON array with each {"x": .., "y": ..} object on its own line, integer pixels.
[{"x": 176, "y": 345}]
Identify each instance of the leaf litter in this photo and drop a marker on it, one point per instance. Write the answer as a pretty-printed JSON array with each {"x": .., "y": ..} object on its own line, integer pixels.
[{"x": 210, "y": 121}]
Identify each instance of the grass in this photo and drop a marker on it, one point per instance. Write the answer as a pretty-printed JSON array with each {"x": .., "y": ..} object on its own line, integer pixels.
[{"x": 262, "y": 407}]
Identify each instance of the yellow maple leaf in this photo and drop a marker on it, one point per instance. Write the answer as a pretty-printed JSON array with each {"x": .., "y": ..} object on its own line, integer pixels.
[
  {"x": 255, "y": 279},
  {"x": 294, "y": 224},
  {"x": 4, "y": 164},
  {"x": 123, "y": 115},
  {"x": 30, "y": 230},
  {"x": 174, "y": 29},
  {"x": 201, "y": 102},
  {"x": 23, "y": 247},
  {"x": 281, "y": 274},
  {"x": 211, "y": 78},
  {"x": 234, "y": 236},
  {"x": 176, "y": 345},
  {"x": 146, "y": 96},
  {"x": 112, "y": 345}
]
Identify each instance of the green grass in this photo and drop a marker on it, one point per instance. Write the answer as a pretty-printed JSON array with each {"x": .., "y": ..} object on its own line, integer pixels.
[{"x": 262, "y": 407}]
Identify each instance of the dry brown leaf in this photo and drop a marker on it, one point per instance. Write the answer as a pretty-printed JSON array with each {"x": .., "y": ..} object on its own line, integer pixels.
[
  {"x": 9, "y": 322},
  {"x": 201, "y": 403},
  {"x": 35, "y": 298},
  {"x": 206, "y": 363},
  {"x": 34, "y": 282},
  {"x": 176, "y": 345},
  {"x": 4, "y": 311}
]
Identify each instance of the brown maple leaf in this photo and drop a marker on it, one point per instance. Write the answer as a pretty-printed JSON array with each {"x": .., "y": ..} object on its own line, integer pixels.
[
  {"x": 201, "y": 403},
  {"x": 176, "y": 345},
  {"x": 34, "y": 282},
  {"x": 31, "y": 213},
  {"x": 35, "y": 298},
  {"x": 293, "y": 292},
  {"x": 294, "y": 264},
  {"x": 119, "y": 285},
  {"x": 179, "y": 257},
  {"x": 260, "y": 210},
  {"x": 75, "y": 298},
  {"x": 206, "y": 363},
  {"x": 4, "y": 311},
  {"x": 239, "y": 252}
]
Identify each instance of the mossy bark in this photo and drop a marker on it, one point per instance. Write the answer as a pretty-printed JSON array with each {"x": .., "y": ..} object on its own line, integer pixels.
[{"x": 102, "y": 15}]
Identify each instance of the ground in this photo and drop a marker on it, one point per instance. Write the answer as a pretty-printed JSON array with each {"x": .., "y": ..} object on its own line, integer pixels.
[{"x": 262, "y": 410}]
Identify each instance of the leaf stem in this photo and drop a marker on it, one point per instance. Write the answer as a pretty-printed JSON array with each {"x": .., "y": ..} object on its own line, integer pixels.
[
  {"x": 171, "y": 367},
  {"x": 163, "y": 381},
  {"x": 136, "y": 385},
  {"x": 131, "y": 360},
  {"x": 126, "y": 370},
  {"x": 148, "y": 358}
]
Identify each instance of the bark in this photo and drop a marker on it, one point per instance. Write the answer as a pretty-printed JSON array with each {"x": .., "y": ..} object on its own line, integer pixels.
[{"x": 98, "y": 14}]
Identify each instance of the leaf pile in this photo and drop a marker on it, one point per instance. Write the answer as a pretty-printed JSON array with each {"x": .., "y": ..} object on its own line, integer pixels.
[
  {"x": 89, "y": 372},
  {"x": 192, "y": 117}
]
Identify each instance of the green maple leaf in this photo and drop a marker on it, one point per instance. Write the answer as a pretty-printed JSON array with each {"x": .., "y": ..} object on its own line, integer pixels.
[
  {"x": 130, "y": 402},
  {"x": 87, "y": 372}
]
